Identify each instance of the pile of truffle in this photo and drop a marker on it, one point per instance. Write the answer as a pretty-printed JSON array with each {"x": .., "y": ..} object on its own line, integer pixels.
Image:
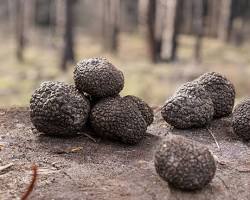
[
  {"x": 183, "y": 163},
  {"x": 57, "y": 108},
  {"x": 196, "y": 103},
  {"x": 187, "y": 164},
  {"x": 210, "y": 96}
]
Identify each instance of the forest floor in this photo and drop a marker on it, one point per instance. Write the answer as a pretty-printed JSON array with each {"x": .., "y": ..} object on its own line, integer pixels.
[
  {"x": 83, "y": 168},
  {"x": 42, "y": 58}
]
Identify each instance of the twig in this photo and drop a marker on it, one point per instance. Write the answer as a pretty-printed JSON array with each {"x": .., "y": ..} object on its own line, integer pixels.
[
  {"x": 32, "y": 183},
  {"x": 223, "y": 182},
  {"x": 90, "y": 137},
  {"x": 245, "y": 170},
  {"x": 157, "y": 110},
  {"x": 211, "y": 133},
  {"x": 2, "y": 168}
]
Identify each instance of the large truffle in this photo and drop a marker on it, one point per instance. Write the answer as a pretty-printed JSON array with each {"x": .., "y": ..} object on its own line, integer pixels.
[
  {"x": 184, "y": 164},
  {"x": 221, "y": 91},
  {"x": 144, "y": 108},
  {"x": 241, "y": 119},
  {"x": 98, "y": 77},
  {"x": 58, "y": 108},
  {"x": 119, "y": 119},
  {"x": 191, "y": 106}
]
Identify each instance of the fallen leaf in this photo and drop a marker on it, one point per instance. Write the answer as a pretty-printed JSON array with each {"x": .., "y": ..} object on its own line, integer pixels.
[{"x": 76, "y": 149}]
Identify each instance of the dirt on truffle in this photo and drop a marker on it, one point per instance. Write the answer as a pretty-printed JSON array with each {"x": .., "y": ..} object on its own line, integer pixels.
[{"x": 79, "y": 168}]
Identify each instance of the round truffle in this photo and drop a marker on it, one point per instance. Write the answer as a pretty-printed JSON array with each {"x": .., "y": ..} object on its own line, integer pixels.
[
  {"x": 58, "y": 109},
  {"x": 191, "y": 106},
  {"x": 184, "y": 164},
  {"x": 144, "y": 108},
  {"x": 221, "y": 91},
  {"x": 241, "y": 119},
  {"x": 98, "y": 77},
  {"x": 119, "y": 119}
]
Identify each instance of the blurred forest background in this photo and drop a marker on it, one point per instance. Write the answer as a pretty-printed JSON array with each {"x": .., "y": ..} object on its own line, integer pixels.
[{"x": 159, "y": 44}]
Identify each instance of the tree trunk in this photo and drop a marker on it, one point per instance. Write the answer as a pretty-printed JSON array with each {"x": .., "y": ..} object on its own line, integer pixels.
[
  {"x": 188, "y": 16},
  {"x": 20, "y": 39},
  {"x": 111, "y": 24},
  {"x": 224, "y": 21},
  {"x": 171, "y": 30},
  {"x": 129, "y": 15},
  {"x": 198, "y": 28},
  {"x": 151, "y": 19},
  {"x": 142, "y": 16},
  {"x": 59, "y": 15},
  {"x": 68, "y": 49}
]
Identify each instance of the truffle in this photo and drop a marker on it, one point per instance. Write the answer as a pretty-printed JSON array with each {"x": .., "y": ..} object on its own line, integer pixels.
[
  {"x": 191, "y": 106},
  {"x": 119, "y": 119},
  {"x": 144, "y": 108},
  {"x": 221, "y": 91},
  {"x": 58, "y": 109},
  {"x": 184, "y": 164},
  {"x": 98, "y": 77},
  {"x": 241, "y": 119}
]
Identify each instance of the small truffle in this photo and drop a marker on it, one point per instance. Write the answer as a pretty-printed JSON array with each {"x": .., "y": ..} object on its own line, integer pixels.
[
  {"x": 184, "y": 164},
  {"x": 221, "y": 91},
  {"x": 241, "y": 119},
  {"x": 98, "y": 77},
  {"x": 58, "y": 109},
  {"x": 119, "y": 119},
  {"x": 144, "y": 108},
  {"x": 191, "y": 106}
]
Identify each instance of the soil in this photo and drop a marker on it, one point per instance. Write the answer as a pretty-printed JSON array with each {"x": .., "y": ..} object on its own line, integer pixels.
[{"x": 83, "y": 168}]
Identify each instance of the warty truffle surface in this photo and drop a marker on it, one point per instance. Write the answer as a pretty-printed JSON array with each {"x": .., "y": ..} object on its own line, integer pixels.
[
  {"x": 143, "y": 107},
  {"x": 190, "y": 106},
  {"x": 184, "y": 164},
  {"x": 221, "y": 91},
  {"x": 241, "y": 119},
  {"x": 58, "y": 108},
  {"x": 119, "y": 119},
  {"x": 98, "y": 77}
]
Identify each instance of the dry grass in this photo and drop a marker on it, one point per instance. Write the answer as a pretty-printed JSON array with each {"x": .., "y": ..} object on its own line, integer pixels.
[{"x": 152, "y": 82}]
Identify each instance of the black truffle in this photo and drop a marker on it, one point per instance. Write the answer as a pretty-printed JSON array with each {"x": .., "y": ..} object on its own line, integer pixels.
[
  {"x": 221, "y": 91},
  {"x": 184, "y": 164},
  {"x": 119, "y": 119},
  {"x": 191, "y": 106},
  {"x": 58, "y": 109},
  {"x": 241, "y": 119},
  {"x": 144, "y": 108},
  {"x": 98, "y": 77}
]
